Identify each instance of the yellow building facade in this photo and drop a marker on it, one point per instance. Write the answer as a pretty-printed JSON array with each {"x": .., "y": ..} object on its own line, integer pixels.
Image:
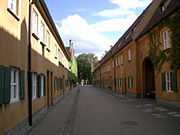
[
  {"x": 130, "y": 65},
  {"x": 49, "y": 61}
]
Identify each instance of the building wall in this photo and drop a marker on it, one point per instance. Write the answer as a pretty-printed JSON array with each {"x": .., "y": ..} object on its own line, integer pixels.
[
  {"x": 136, "y": 67},
  {"x": 14, "y": 53},
  {"x": 143, "y": 48}
]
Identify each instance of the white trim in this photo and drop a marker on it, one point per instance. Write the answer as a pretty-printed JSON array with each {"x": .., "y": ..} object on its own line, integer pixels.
[
  {"x": 122, "y": 59},
  {"x": 47, "y": 39},
  {"x": 12, "y": 5},
  {"x": 34, "y": 22},
  {"x": 166, "y": 39},
  {"x": 42, "y": 85},
  {"x": 129, "y": 55},
  {"x": 41, "y": 31},
  {"x": 55, "y": 50},
  {"x": 14, "y": 85},
  {"x": 168, "y": 81},
  {"x": 34, "y": 85}
]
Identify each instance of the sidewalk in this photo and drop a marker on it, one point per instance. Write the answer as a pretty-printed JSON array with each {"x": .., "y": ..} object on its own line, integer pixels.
[
  {"x": 156, "y": 107},
  {"x": 54, "y": 121}
]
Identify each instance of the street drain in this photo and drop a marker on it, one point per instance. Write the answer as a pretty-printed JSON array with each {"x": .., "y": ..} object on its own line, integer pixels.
[{"x": 129, "y": 123}]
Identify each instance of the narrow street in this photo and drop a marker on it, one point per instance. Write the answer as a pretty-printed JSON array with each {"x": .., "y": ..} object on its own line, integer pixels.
[{"x": 91, "y": 111}]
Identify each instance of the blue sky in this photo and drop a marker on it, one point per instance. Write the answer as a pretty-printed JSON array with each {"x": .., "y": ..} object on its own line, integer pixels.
[{"x": 94, "y": 25}]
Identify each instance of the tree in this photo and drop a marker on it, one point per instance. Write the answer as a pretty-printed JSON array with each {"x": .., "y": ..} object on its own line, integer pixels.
[{"x": 84, "y": 66}]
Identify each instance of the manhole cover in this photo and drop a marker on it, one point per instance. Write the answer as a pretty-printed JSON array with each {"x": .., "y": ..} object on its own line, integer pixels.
[{"x": 129, "y": 123}]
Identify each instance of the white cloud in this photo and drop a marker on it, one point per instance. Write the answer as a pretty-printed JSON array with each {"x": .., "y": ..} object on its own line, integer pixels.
[
  {"x": 126, "y": 8},
  {"x": 86, "y": 38},
  {"x": 119, "y": 24},
  {"x": 113, "y": 13},
  {"x": 127, "y": 4}
]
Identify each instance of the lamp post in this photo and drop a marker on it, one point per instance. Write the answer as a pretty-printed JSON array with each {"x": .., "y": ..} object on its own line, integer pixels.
[{"x": 29, "y": 67}]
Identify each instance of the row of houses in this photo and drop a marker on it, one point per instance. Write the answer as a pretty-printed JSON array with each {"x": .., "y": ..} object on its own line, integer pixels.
[
  {"x": 145, "y": 61},
  {"x": 34, "y": 62}
]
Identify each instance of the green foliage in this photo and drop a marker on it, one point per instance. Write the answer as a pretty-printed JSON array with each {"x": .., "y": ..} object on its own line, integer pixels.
[
  {"x": 158, "y": 56},
  {"x": 72, "y": 73},
  {"x": 84, "y": 66}
]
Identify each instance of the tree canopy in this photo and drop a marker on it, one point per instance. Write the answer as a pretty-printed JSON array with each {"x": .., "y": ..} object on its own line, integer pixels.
[{"x": 84, "y": 66}]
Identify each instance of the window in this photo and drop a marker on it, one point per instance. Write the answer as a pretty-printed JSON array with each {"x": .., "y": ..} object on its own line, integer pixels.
[
  {"x": 14, "y": 85},
  {"x": 165, "y": 5},
  {"x": 55, "y": 83},
  {"x": 42, "y": 85},
  {"x": 129, "y": 55},
  {"x": 13, "y": 6},
  {"x": 168, "y": 81},
  {"x": 55, "y": 50},
  {"x": 59, "y": 54},
  {"x": 118, "y": 60},
  {"x": 112, "y": 64},
  {"x": 35, "y": 22},
  {"x": 119, "y": 81},
  {"x": 166, "y": 39},
  {"x": 130, "y": 82},
  {"x": 34, "y": 86},
  {"x": 41, "y": 31},
  {"x": 47, "y": 39},
  {"x": 121, "y": 59}
]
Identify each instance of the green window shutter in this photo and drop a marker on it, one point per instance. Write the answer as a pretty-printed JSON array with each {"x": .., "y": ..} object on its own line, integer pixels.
[
  {"x": 132, "y": 81},
  {"x": 7, "y": 87},
  {"x": 163, "y": 79},
  {"x": 58, "y": 83},
  {"x": 174, "y": 81},
  {"x": 45, "y": 85},
  {"x": 120, "y": 81},
  {"x": 1, "y": 84},
  {"x": 61, "y": 83},
  {"x": 54, "y": 83},
  {"x": 39, "y": 86},
  {"x": 22, "y": 84},
  {"x": 128, "y": 82}
]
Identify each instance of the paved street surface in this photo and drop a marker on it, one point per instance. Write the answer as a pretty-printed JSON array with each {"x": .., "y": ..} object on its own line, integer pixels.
[{"x": 91, "y": 111}]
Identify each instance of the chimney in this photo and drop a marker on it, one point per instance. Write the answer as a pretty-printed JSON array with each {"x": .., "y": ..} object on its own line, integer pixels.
[{"x": 70, "y": 45}]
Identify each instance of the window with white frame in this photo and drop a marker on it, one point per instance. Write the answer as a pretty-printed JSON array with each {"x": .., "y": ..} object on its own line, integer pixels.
[
  {"x": 41, "y": 31},
  {"x": 14, "y": 85},
  {"x": 129, "y": 55},
  {"x": 118, "y": 60},
  {"x": 42, "y": 85},
  {"x": 166, "y": 39},
  {"x": 47, "y": 39},
  {"x": 59, "y": 54},
  {"x": 168, "y": 81},
  {"x": 55, "y": 50},
  {"x": 122, "y": 59},
  {"x": 34, "y": 86},
  {"x": 13, "y": 6},
  {"x": 119, "y": 81},
  {"x": 130, "y": 83},
  {"x": 35, "y": 22}
]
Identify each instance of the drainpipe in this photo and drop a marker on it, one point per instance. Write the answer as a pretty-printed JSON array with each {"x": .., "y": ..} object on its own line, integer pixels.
[{"x": 29, "y": 67}]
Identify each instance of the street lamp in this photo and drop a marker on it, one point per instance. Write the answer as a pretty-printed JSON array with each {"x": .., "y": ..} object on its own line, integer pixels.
[{"x": 29, "y": 67}]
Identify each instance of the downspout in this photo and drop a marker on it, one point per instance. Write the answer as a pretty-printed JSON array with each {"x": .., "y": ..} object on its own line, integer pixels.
[{"x": 29, "y": 67}]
